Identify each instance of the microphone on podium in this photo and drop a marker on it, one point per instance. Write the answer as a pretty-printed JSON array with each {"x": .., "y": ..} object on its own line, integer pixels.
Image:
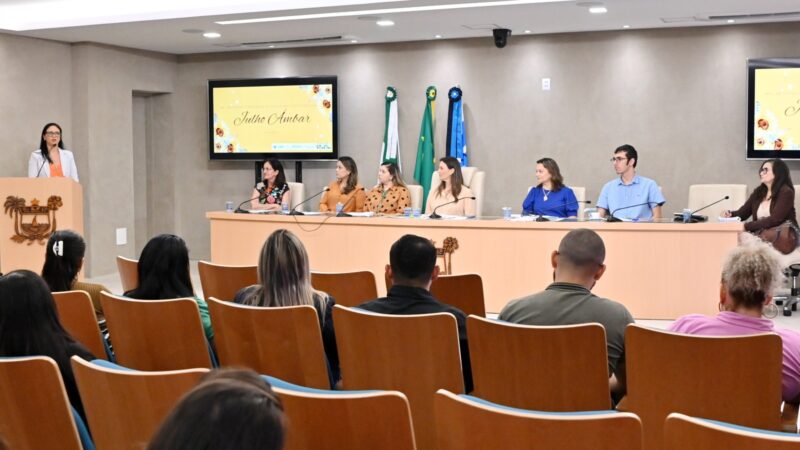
[
  {"x": 696, "y": 218},
  {"x": 295, "y": 212},
  {"x": 542, "y": 218},
  {"x": 344, "y": 214},
  {"x": 437, "y": 216},
  {"x": 612, "y": 218},
  {"x": 260, "y": 188}
]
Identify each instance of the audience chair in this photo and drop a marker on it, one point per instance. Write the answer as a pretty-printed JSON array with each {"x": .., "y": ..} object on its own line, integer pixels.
[
  {"x": 128, "y": 272},
  {"x": 464, "y": 422},
  {"x": 701, "y": 195},
  {"x": 682, "y": 432},
  {"x": 414, "y": 354},
  {"x": 465, "y": 292},
  {"x": 298, "y": 191},
  {"x": 733, "y": 379},
  {"x": 415, "y": 192},
  {"x": 284, "y": 342},
  {"x": 337, "y": 420},
  {"x": 561, "y": 368},
  {"x": 473, "y": 179},
  {"x": 125, "y": 407},
  {"x": 349, "y": 288},
  {"x": 223, "y": 282},
  {"x": 156, "y": 334},
  {"x": 76, "y": 313},
  {"x": 35, "y": 413}
]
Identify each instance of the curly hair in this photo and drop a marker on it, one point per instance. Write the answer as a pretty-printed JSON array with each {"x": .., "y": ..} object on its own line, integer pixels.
[{"x": 750, "y": 273}]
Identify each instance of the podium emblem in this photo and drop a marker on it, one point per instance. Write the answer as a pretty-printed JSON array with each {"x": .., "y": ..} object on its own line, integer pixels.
[
  {"x": 445, "y": 252},
  {"x": 34, "y": 222}
]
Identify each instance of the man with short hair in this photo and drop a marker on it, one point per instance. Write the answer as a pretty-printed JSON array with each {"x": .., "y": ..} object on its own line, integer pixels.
[
  {"x": 578, "y": 264},
  {"x": 630, "y": 196},
  {"x": 412, "y": 268}
]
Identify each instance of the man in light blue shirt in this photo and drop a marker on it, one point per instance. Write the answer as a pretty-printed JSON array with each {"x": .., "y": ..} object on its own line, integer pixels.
[{"x": 621, "y": 196}]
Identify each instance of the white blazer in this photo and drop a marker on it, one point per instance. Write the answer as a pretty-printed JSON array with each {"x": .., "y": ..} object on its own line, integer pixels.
[{"x": 38, "y": 167}]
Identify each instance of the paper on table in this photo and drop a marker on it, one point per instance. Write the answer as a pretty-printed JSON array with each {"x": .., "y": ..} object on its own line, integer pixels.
[{"x": 728, "y": 219}]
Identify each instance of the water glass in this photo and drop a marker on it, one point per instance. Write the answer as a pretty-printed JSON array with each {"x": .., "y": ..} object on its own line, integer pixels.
[
  {"x": 506, "y": 212},
  {"x": 407, "y": 211},
  {"x": 229, "y": 206}
]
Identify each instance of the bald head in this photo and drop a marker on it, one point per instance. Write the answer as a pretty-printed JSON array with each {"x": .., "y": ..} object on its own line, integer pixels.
[{"x": 582, "y": 249}]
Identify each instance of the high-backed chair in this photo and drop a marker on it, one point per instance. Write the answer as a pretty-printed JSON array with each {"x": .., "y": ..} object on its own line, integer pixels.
[
  {"x": 701, "y": 195},
  {"x": 298, "y": 191},
  {"x": 465, "y": 292},
  {"x": 76, "y": 313},
  {"x": 283, "y": 342},
  {"x": 415, "y": 354},
  {"x": 415, "y": 192},
  {"x": 465, "y": 422},
  {"x": 156, "y": 334},
  {"x": 683, "y": 432},
  {"x": 334, "y": 420},
  {"x": 35, "y": 413},
  {"x": 125, "y": 407},
  {"x": 348, "y": 288},
  {"x": 734, "y": 379},
  {"x": 580, "y": 195},
  {"x": 560, "y": 368},
  {"x": 473, "y": 179},
  {"x": 128, "y": 272},
  {"x": 223, "y": 282}
]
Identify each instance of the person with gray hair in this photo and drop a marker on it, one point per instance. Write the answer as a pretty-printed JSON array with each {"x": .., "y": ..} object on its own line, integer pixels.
[
  {"x": 577, "y": 266},
  {"x": 749, "y": 277}
]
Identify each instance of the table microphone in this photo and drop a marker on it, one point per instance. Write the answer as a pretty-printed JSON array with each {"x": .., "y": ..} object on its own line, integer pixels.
[
  {"x": 437, "y": 216},
  {"x": 611, "y": 217},
  {"x": 541, "y": 218},
  {"x": 696, "y": 219},
  {"x": 260, "y": 189},
  {"x": 295, "y": 212},
  {"x": 344, "y": 214}
]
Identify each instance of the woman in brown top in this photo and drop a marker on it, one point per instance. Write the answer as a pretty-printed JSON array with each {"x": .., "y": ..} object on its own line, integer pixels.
[
  {"x": 344, "y": 189},
  {"x": 390, "y": 196}
]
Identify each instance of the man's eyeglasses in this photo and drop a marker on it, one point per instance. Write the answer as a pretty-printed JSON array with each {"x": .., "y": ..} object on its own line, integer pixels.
[{"x": 618, "y": 159}]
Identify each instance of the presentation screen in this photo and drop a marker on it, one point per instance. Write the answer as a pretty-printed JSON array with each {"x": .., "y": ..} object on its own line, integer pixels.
[
  {"x": 285, "y": 118},
  {"x": 773, "y": 120}
]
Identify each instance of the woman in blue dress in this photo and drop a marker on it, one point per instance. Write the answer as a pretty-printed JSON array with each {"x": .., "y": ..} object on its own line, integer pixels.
[{"x": 550, "y": 197}]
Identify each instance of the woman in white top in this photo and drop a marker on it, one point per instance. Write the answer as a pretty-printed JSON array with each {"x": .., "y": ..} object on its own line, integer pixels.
[
  {"x": 452, "y": 188},
  {"x": 51, "y": 160}
]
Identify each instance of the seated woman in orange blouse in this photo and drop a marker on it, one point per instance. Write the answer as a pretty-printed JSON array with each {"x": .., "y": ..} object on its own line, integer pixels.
[
  {"x": 344, "y": 189},
  {"x": 390, "y": 196}
]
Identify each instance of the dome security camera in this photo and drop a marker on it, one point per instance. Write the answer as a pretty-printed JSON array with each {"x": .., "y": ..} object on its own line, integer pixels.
[{"x": 501, "y": 37}]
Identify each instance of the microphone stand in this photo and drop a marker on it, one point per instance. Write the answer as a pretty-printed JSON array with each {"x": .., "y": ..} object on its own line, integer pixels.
[
  {"x": 437, "y": 216},
  {"x": 612, "y": 218},
  {"x": 295, "y": 212},
  {"x": 696, "y": 219},
  {"x": 344, "y": 214}
]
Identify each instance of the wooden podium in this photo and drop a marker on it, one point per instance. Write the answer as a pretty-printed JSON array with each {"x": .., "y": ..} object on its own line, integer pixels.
[{"x": 32, "y": 209}]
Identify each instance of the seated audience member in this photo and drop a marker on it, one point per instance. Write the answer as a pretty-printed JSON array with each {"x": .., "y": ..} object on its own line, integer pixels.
[
  {"x": 390, "y": 196},
  {"x": 750, "y": 273},
  {"x": 451, "y": 189},
  {"x": 771, "y": 204},
  {"x": 272, "y": 191},
  {"x": 29, "y": 326},
  {"x": 229, "y": 409},
  {"x": 344, "y": 189},
  {"x": 550, "y": 197},
  {"x": 412, "y": 269},
  {"x": 284, "y": 276},
  {"x": 639, "y": 196},
  {"x": 578, "y": 264},
  {"x": 164, "y": 274},
  {"x": 63, "y": 261}
]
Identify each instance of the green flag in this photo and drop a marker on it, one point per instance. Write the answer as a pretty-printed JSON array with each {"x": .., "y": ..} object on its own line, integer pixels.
[
  {"x": 391, "y": 137},
  {"x": 426, "y": 159}
]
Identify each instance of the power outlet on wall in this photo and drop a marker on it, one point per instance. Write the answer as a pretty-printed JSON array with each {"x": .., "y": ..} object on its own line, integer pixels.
[
  {"x": 545, "y": 84},
  {"x": 122, "y": 236}
]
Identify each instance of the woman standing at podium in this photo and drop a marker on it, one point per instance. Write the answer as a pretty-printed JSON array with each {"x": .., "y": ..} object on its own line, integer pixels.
[{"x": 51, "y": 160}]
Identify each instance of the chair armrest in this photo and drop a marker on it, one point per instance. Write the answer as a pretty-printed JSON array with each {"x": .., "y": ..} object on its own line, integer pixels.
[{"x": 789, "y": 417}]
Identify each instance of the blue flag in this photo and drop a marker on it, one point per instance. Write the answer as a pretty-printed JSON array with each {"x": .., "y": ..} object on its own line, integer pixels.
[{"x": 456, "y": 133}]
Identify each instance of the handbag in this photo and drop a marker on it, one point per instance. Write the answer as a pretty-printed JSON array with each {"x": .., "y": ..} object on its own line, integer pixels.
[{"x": 782, "y": 237}]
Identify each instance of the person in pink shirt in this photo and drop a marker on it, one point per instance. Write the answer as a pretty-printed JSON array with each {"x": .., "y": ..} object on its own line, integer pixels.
[{"x": 749, "y": 276}]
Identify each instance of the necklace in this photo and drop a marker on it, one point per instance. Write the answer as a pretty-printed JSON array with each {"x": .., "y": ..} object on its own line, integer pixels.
[{"x": 546, "y": 193}]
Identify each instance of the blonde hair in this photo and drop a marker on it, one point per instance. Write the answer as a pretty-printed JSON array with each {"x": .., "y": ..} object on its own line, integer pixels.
[{"x": 751, "y": 272}]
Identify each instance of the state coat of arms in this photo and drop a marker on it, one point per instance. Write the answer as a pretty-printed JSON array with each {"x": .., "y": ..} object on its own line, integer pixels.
[{"x": 34, "y": 222}]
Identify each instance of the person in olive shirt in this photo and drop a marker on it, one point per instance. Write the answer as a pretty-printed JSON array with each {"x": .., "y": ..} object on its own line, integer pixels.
[
  {"x": 412, "y": 269},
  {"x": 577, "y": 265}
]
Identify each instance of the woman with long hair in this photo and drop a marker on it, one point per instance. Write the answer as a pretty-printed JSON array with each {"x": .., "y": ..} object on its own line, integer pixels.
[
  {"x": 51, "y": 160},
  {"x": 163, "y": 271},
  {"x": 63, "y": 261},
  {"x": 284, "y": 277},
  {"x": 29, "y": 326},
  {"x": 390, "y": 196},
  {"x": 272, "y": 191},
  {"x": 345, "y": 189},
  {"x": 451, "y": 189},
  {"x": 550, "y": 197}
]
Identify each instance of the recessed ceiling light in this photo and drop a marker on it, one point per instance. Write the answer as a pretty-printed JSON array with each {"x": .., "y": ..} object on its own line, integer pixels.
[
  {"x": 626, "y": 26},
  {"x": 598, "y": 10},
  {"x": 438, "y": 36},
  {"x": 384, "y": 23},
  {"x": 353, "y": 41},
  {"x": 271, "y": 46},
  {"x": 731, "y": 21},
  {"x": 527, "y": 31},
  {"x": 211, "y": 35}
]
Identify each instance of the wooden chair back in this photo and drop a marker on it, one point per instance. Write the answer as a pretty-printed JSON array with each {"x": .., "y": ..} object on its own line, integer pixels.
[
  {"x": 125, "y": 407},
  {"x": 34, "y": 410},
  {"x": 465, "y": 292},
  {"x": 128, "y": 272},
  {"x": 156, "y": 334},
  {"x": 283, "y": 342},
  {"x": 414, "y": 354},
  {"x": 466, "y": 423},
  {"x": 334, "y": 420},
  {"x": 223, "y": 282},
  {"x": 76, "y": 313},
  {"x": 349, "y": 288},
  {"x": 735, "y": 379},
  {"x": 561, "y": 368},
  {"x": 683, "y": 432}
]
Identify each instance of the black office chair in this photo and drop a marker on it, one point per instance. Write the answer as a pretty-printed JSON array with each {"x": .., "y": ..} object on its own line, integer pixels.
[{"x": 790, "y": 303}]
